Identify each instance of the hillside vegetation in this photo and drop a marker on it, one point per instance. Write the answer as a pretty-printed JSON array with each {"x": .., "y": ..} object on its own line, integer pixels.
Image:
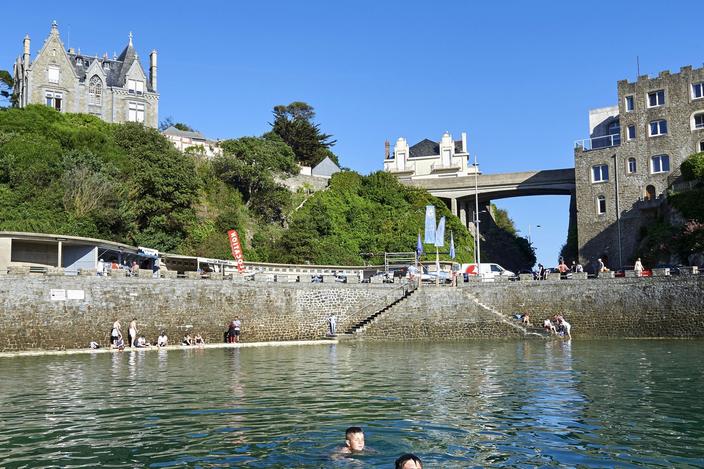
[{"x": 74, "y": 174}]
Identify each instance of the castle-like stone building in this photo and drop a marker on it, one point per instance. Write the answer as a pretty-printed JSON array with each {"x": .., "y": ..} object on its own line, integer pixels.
[
  {"x": 632, "y": 158},
  {"x": 116, "y": 90}
]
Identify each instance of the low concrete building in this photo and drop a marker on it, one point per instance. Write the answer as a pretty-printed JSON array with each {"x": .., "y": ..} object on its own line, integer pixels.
[
  {"x": 193, "y": 141},
  {"x": 40, "y": 251}
]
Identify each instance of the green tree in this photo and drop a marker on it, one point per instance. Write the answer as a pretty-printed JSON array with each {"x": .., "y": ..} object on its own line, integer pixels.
[
  {"x": 6, "y": 89},
  {"x": 693, "y": 167},
  {"x": 294, "y": 124},
  {"x": 249, "y": 164}
]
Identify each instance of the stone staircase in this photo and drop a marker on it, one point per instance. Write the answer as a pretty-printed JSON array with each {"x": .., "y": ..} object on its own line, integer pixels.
[
  {"x": 362, "y": 325},
  {"x": 532, "y": 331}
]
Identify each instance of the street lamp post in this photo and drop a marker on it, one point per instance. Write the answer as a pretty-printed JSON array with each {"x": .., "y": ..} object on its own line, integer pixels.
[
  {"x": 530, "y": 240},
  {"x": 477, "y": 248}
]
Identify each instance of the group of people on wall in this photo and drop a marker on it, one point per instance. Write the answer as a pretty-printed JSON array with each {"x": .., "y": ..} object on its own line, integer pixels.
[{"x": 136, "y": 340}]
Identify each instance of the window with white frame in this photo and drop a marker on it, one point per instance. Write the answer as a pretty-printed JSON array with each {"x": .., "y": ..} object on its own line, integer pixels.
[
  {"x": 52, "y": 74},
  {"x": 656, "y": 98},
  {"x": 698, "y": 90},
  {"x": 601, "y": 205},
  {"x": 54, "y": 99},
  {"x": 630, "y": 103},
  {"x": 631, "y": 165},
  {"x": 95, "y": 91},
  {"x": 658, "y": 127},
  {"x": 135, "y": 86},
  {"x": 698, "y": 121},
  {"x": 631, "y": 132},
  {"x": 136, "y": 112},
  {"x": 600, "y": 173},
  {"x": 660, "y": 164}
]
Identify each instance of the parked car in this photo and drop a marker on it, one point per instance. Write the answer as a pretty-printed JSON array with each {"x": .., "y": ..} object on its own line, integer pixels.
[
  {"x": 442, "y": 276},
  {"x": 674, "y": 269},
  {"x": 486, "y": 270},
  {"x": 622, "y": 271}
]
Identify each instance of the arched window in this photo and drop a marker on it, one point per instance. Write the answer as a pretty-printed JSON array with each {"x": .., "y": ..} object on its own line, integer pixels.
[
  {"x": 95, "y": 91},
  {"x": 649, "y": 192},
  {"x": 631, "y": 165},
  {"x": 601, "y": 205}
]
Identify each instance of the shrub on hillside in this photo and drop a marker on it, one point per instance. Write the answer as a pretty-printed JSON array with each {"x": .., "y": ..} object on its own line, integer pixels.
[{"x": 693, "y": 167}]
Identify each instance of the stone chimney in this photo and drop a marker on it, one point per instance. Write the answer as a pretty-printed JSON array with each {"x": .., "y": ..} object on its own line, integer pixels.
[
  {"x": 152, "y": 69},
  {"x": 25, "y": 55},
  {"x": 387, "y": 150}
]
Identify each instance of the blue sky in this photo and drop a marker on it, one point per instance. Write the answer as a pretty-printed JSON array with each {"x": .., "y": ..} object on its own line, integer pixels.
[{"x": 519, "y": 77}]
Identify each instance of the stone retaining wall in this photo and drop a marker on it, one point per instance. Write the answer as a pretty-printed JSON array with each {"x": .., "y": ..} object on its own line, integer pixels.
[
  {"x": 622, "y": 307},
  {"x": 629, "y": 307},
  {"x": 31, "y": 319}
]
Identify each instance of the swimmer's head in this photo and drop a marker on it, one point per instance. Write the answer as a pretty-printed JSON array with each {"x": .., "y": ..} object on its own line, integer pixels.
[
  {"x": 354, "y": 438},
  {"x": 408, "y": 461}
]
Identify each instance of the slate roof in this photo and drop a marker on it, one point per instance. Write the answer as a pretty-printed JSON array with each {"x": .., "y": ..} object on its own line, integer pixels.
[
  {"x": 116, "y": 74},
  {"x": 427, "y": 147},
  {"x": 183, "y": 133}
]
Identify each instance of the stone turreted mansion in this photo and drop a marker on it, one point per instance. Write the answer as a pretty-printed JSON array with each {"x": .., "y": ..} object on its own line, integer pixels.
[{"x": 115, "y": 89}]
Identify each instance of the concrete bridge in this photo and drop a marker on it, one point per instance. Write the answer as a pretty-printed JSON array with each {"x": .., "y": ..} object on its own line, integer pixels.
[{"x": 458, "y": 192}]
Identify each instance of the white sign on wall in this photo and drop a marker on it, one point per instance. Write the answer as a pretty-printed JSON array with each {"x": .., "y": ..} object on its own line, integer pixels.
[
  {"x": 63, "y": 295},
  {"x": 57, "y": 295},
  {"x": 75, "y": 295}
]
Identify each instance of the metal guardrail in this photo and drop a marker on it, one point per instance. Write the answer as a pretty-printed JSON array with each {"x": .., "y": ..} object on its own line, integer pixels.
[{"x": 597, "y": 143}]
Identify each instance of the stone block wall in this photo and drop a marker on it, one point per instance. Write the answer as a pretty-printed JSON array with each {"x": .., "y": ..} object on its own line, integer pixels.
[
  {"x": 31, "y": 319},
  {"x": 621, "y": 307}
]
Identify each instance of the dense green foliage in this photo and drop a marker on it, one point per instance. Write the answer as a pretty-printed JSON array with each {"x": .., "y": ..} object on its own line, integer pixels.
[
  {"x": 358, "y": 218},
  {"x": 294, "y": 125},
  {"x": 7, "y": 96},
  {"x": 693, "y": 167},
  {"x": 75, "y": 174}
]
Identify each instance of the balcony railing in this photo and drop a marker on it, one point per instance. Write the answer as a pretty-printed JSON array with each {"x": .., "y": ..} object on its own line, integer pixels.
[{"x": 597, "y": 143}]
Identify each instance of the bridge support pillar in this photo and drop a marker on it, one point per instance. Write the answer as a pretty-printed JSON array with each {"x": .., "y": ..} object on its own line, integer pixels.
[
  {"x": 463, "y": 213},
  {"x": 453, "y": 207}
]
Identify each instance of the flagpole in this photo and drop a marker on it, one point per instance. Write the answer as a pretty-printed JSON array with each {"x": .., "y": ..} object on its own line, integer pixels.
[{"x": 437, "y": 266}]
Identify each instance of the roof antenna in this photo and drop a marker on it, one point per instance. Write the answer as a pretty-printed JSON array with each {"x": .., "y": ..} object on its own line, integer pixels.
[
  {"x": 637, "y": 67},
  {"x": 69, "y": 37}
]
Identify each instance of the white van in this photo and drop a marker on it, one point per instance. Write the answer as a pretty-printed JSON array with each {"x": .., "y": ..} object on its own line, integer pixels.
[{"x": 487, "y": 271}]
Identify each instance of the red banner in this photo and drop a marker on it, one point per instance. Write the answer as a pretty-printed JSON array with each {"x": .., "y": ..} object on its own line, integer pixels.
[{"x": 236, "y": 249}]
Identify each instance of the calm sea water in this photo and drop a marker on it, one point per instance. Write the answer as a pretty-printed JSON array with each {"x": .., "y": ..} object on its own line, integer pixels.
[{"x": 460, "y": 404}]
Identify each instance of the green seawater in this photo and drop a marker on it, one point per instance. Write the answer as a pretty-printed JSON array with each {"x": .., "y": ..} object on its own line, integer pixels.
[{"x": 632, "y": 403}]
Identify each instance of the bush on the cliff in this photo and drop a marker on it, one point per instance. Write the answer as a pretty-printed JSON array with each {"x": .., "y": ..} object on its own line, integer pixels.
[{"x": 693, "y": 167}]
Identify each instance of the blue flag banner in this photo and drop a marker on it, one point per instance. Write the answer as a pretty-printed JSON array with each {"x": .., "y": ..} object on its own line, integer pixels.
[
  {"x": 419, "y": 247},
  {"x": 440, "y": 233},
  {"x": 430, "y": 224},
  {"x": 452, "y": 245}
]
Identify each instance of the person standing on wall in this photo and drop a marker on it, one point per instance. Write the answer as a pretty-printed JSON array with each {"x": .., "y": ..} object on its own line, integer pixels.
[
  {"x": 238, "y": 328},
  {"x": 332, "y": 325},
  {"x": 638, "y": 268}
]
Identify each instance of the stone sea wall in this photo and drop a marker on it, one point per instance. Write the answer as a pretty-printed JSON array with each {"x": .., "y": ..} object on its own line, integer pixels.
[
  {"x": 624, "y": 307},
  {"x": 53, "y": 313}
]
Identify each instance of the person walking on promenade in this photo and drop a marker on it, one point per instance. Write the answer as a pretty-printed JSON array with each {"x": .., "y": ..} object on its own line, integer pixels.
[
  {"x": 638, "y": 268},
  {"x": 132, "y": 332}
]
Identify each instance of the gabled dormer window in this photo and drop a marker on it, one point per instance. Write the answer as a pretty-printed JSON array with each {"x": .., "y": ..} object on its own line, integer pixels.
[
  {"x": 95, "y": 91},
  {"x": 135, "y": 87},
  {"x": 106, "y": 66}
]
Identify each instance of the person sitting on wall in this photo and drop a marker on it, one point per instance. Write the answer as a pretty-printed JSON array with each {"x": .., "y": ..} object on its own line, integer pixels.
[
  {"x": 141, "y": 342},
  {"x": 134, "y": 270},
  {"x": 198, "y": 340},
  {"x": 163, "y": 340},
  {"x": 526, "y": 319},
  {"x": 564, "y": 270},
  {"x": 601, "y": 266},
  {"x": 115, "y": 334},
  {"x": 549, "y": 326},
  {"x": 187, "y": 340}
]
